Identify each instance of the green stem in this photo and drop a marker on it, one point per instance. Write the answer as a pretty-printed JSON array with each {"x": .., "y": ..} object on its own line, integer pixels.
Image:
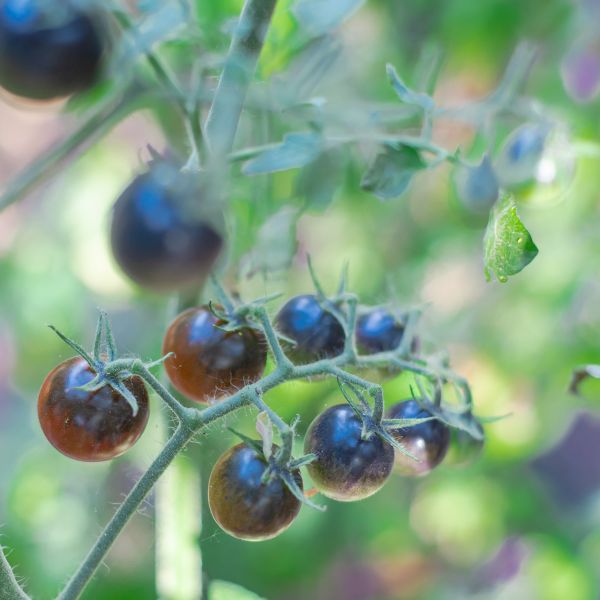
[
  {"x": 9, "y": 588},
  {"x": 93, "y": 129},
  {"x": 238, "y": 71},
  {"x": 135, "y": 497}
]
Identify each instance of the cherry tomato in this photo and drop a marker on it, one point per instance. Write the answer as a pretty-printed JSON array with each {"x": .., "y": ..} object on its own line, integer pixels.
[
  {"x": 378, "y": 331},
  {"x": 208, "y": 362},
  {"x": 49, "y": 51},
  {"x": 464, "y": 448},
  {"x": 161, "y": 235},
  {"x": 89, "y": 426},
  {"x": 318, "y": 333},
  {"x": 245, "y": 506},
  {"x": 348, "y": 466},
  {"x": 427, "y": 441}
]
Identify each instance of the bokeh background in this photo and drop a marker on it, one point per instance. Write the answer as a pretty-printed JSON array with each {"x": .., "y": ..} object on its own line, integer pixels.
[{"x": 523, "y": 522}]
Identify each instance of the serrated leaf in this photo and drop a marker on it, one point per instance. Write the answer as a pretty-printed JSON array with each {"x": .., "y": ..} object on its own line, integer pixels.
[
  {"x": 297, "y": 150},
  {"x": 407, "y": 95},
  {"x": 318, "y": 181},
  {"x": 508, "y": 246},
  {"x": 392, "y": 171},
  {"x": 319, "y": 17},
  {"x": 224, "y": 590},
  {"x": 275, "y": 244}
]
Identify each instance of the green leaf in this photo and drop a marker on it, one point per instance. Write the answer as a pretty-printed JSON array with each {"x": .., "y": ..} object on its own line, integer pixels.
[
  {"x": 407, "y": 95},
  {"x": 297, "y": 150},
  {"x": 392, "y": 171},
  {"x": 318, "y": 181},
  {"x": 508, "y": 247},
  {"x": 319, "y": 17},
  {"x": 223, "y": 590}
]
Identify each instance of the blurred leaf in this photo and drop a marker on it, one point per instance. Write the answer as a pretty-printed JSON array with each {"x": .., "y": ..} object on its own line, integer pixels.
[
  {"x": 297, "y": 150},
  {"x": 318, "y": 181},
  {"x": 156, "y": 27},
  {"x": 223, "y": 590},
  {"x": 392, "y": 171},
  {"x": 508, "y": 247},
  {"x": 275, "y": 244},
  {"x": 581, "y": 374},
  {"x": 407, "y": 95},
  {"x": 319, "y": 17}
]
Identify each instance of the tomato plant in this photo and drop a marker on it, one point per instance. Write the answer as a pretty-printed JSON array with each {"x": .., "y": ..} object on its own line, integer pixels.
[{"x": 194, "y": 227}]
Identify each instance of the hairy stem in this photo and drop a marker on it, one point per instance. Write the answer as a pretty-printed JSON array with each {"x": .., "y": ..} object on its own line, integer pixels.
[
  {"x": 9, "y": 588},
  {"x": 135, "y": 497}
]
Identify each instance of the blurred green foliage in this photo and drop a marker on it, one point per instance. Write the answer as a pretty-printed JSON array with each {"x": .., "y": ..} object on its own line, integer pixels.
[{"x": 516, "y": 343}]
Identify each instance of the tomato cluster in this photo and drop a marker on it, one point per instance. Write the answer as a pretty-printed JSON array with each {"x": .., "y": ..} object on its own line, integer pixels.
[{"x": 212, "y": 352}]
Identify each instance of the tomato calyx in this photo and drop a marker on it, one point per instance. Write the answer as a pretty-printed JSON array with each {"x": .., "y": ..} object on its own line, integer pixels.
[
  {"x": 280, "y": 463},
  {"x": 109, "y": 369}
]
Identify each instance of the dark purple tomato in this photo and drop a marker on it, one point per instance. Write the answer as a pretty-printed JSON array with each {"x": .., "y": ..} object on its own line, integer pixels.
[
  {"x": 49, "y": 50},
  {"x": 162, "y": 235},
  {"x": 464, "y": 448},
  {"x": 89, "y": 426},
  {"x": 348, "y": 467},
  {"x": 207, "y": 362},
  {"x": 317, "y": 332},
  {"x": 378, "y": 331},
  {"x": 242, "y": 504},
  {"x": 427, "y": 441}
]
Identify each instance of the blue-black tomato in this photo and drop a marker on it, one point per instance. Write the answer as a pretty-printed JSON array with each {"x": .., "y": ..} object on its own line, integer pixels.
[
  {"x": 464, "y": 448},
  {"x": 242, "y": 504},
  {"x": 208, "y": 362},
  {"x": 379, "y": 330},
  {"x": 89, "y": 426},
  {"x": 49, "y": 50},
  {"x": 426, "y": 441},
  {"x": 163, "y": 235},
  {"x": 317, "y": 333},
  {"x": 348, "y": 467}
]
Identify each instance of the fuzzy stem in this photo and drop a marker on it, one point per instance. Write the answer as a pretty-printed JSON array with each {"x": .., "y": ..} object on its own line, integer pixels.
[
  {"x": 9, "y": 588},
  {"x": 91, "y": 563}
]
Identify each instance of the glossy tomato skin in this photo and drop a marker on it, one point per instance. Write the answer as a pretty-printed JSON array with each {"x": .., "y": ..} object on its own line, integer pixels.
[
  {"x": 89, "y": 426},
  {"x": 348, "y": 467},
  {"x": 464, "y": 449},
  {"x": 161, "y": 237},
  {"x": 242, "y": 504},
  {"x": 49, "y": 51},
  {"x": 428, "y": 441},
  {"x": 378, "y": 331},
  {"x": 318, "y": 333},
  {"x": 208, "y": 362}
]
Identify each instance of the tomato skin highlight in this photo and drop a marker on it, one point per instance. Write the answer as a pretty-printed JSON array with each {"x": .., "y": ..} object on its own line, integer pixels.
[
  {"x": 244, "y": 506},
  {"x": 207, "y": 362},
  {"x": 317, "y": 333},
  {"x": 161, "y": 235},
  {"x": 348, "y": 467},
  {"x": 89, "y": 426},
  {"x": 43, "y": 58},
  {"x": 428, "y": 441}
]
